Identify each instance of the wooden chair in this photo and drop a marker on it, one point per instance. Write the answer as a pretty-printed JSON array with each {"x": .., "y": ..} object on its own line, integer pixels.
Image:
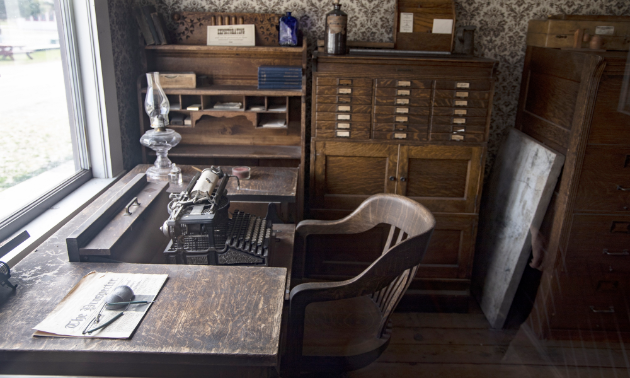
[{"x": 342, "y": 326}]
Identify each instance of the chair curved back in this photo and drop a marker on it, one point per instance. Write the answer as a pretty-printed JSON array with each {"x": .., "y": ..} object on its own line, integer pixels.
[{"x": 389, "y": 276}]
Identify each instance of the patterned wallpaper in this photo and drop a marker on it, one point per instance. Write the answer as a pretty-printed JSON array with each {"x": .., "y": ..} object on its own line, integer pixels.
[{"x": 501, "y": 27}]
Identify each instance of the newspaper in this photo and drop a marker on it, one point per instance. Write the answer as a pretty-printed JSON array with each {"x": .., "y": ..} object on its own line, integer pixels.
[{"x": 77, "y": 312}]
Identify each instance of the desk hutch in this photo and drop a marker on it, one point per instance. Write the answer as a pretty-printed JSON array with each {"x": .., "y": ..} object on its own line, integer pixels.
[
  {"x": 232, "y": 137},
  {"x": 415, "y": 126}
]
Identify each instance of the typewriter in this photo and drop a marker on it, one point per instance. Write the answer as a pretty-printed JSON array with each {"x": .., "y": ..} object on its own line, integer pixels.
[{"x": 201, "y": 231}]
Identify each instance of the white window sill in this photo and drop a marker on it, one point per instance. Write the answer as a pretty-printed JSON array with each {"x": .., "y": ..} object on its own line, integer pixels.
[{"x": 51, "y": 220}]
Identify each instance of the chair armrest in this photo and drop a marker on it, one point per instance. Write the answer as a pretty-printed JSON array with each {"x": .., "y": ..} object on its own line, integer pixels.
[{"x": 352, "y": 224}]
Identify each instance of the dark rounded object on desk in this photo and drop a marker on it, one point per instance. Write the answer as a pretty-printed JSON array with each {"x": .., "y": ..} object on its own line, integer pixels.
[
  {"x": 176, "y": 17},
  {"x": 121, "y": 293}
]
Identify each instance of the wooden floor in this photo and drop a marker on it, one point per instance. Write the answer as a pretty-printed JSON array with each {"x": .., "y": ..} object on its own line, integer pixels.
[{"x": 464, "y": 346}]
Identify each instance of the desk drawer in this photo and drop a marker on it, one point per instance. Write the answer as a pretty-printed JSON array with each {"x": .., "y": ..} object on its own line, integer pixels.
[
  {"x": 457, "y": 112},
  {"x": 605, "y": 180},
  {"x": 473, "y": 85},
  {"x": 401, "y": 118},
  {"x": 458, "y": 129},
  {"x": 342, "y": 125},
  {"x": 344, "y": 108},
  {"x": 401, "y": 127},
  {"x": 402, "y": 83},
  {"x": 352, "y": 100},
  {"x": 354, "y": 91},
  {"x": 402, "y": 110},
  {"x": 601, "y": 239},
  {"x": 344, "y": 81},
  {"x": 403, "y": 92},
  {"x": 400, "y": 135},
  {"x": 343, "y": 134},
  {"x": 403, "y": 101},
  {"x": 459, "y": 103},
  {"x": 462, "y": 94},
  {"x": 457, "y": 137},
  {"x": 442, "y": 120},
  {"x": 355, "y": 117}
]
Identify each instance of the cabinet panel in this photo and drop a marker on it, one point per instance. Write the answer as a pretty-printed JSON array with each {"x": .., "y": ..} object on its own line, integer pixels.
[
  {"x": 347, "y": 173},
  {"x": 443, "y": 178}
]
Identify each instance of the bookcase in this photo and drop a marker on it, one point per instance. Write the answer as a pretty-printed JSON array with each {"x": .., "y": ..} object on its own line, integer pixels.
[{"x": 232, "y": 136}]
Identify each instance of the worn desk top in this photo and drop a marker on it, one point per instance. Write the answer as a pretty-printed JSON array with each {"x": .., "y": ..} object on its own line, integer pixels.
[
  {"x": 267, "y": 184},
  {"x": 204, "y": 315}
]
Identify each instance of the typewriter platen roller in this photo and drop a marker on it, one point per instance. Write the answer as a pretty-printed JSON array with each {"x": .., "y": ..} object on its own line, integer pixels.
[{"x": 202, "y": 232}]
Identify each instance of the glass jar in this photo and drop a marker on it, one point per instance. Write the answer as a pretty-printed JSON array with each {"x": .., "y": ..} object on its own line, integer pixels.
[{"x": 336, "y": 33}]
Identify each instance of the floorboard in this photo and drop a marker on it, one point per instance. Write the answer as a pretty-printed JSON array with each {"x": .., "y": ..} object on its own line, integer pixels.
[{"x": 464, "y": 346}]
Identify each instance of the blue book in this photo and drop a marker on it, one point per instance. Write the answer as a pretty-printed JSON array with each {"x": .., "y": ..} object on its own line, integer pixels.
[{"x": 279, "y": 86}]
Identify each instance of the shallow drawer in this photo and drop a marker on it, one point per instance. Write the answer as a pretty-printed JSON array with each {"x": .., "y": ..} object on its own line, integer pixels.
[
  {"x": 401, "y": 118},
  {"x": 605, "y": 180},
  {"x": 353, "y": 100},
  {"x": 459, "y": 120},
  {"x": 341, "y": 125},
  {"x": 344, "y": 108},
  {"x": 460, "y": 103},
  {"x": 355, "y": 91},
  {"x": 401, "y": 127},
  {"x": 457, "y": 137},
  {"x": 457, "y": 129},
  {"x": 594, "y": 313},
  {"x": 401, "y": 110},
  {"x": 344, "y": 81},
  {"x": 601, "y": 239},
  {"x": 400, "y": 135},
  {"x": 404, "y": 101},
  {"x": 478, "y": 85},
  {"x": 344, "y": 134},
  {"x": 462, "y": 94},
  {"x": 457, "y": 112},
  {"x": 357, "y": 117},
  {"x": 403, "y": 92},
  {"x": 402, "y": 83}
]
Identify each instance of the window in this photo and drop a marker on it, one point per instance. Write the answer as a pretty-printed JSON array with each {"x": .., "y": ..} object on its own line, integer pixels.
[{"x": 56, "y": 78}]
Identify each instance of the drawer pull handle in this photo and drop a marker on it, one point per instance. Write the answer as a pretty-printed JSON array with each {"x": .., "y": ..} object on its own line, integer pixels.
[
  {"x": 619, "y": 187},
  {"x": 610, "y": 310},
  {"x": 128, "y": 207},
  {"x": 622, "y": 253},
  {"x": 392, "y": 178},
  {"x": 403, "y": 179}
]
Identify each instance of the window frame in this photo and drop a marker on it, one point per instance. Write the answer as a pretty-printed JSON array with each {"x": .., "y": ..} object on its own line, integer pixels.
[{"x": 89, "y": 77}]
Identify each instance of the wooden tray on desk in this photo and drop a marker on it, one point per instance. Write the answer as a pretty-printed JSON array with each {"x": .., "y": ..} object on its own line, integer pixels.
[{"x": 192, "y": 26}]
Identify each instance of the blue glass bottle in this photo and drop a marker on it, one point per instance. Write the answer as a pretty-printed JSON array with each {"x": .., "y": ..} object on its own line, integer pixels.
[{"x": 288, "y": 30}]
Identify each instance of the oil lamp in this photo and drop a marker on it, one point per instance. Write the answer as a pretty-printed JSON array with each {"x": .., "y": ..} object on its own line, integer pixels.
[{"x": 159, "y": 138}]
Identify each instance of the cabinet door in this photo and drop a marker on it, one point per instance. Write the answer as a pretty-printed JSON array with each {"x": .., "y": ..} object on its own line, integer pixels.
[
  {"x": 346, "y": 173},
  {"x": 442, "y": 178}
]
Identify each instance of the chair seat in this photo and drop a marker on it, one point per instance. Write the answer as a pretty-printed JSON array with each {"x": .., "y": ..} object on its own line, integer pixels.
[{"x": 342, "y": 334}]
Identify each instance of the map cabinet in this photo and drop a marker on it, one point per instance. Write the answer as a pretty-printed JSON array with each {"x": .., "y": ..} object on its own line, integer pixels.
[{"x": 413, "y": 126}]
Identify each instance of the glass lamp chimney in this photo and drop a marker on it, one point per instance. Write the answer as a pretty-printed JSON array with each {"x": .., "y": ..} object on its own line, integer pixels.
[{"x": 156, "y": 103}]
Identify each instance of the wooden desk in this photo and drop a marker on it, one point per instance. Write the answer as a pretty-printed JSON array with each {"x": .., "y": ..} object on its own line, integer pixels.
[{"x": 207, "y": 319}]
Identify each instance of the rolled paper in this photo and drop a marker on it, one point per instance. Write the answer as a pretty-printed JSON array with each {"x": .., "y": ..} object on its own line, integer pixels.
[{"x": 241, "y": 172}]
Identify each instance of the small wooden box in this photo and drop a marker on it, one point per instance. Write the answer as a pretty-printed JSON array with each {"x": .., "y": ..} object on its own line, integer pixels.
[
  {"x": 560, "y": 33},
  {"x": 178, "y": 80}
]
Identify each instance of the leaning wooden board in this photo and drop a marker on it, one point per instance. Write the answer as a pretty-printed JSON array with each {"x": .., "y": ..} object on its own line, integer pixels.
[{"x": 519, "y": 190}]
